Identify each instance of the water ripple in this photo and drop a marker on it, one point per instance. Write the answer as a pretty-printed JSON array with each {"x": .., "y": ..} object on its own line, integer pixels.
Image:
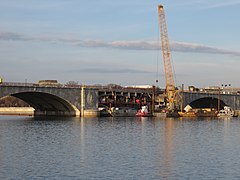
[{"x": 119, "y": 148}]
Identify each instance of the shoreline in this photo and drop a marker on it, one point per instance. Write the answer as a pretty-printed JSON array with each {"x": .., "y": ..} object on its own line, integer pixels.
[{"x": 19, "y": 111}]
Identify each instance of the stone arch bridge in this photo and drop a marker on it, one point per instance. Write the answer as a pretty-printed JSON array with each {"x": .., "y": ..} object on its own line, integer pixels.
[
  {"x": 83, "y": 101},
  {"x": 58, "y": 101},
  {"x": 211, "y": 100}
]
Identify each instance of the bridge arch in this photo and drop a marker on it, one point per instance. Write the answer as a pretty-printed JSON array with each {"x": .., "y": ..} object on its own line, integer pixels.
[
  {"x": 208, "y": 102},
  {"x": 231, "y": 100},
  {"x": 47, "y": 104}
]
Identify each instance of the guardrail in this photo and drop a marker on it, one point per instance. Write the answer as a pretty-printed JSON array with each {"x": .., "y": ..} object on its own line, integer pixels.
[
  {"x": 40, "y": 85},
  {"x": 17, "y": 84},
  {"x": 214, "y": 92}
]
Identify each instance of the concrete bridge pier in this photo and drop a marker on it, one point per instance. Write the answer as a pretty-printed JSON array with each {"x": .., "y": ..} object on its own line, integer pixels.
[
  {"x": 89, "y": 103},
  {"x": 91, "y": 113}
]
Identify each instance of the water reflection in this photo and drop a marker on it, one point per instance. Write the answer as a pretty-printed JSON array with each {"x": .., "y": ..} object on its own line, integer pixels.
[
  {"x": 119, "y": 148},
  {"x": 168, "y": 148},
  {"x": 82, "y": 141}
]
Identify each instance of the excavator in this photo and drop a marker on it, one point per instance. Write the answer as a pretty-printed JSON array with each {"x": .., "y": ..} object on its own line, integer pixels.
[{"x": 171, "y": 90}]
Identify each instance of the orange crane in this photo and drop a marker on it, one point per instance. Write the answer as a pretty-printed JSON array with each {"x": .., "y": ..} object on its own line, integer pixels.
[{"x": 170, "y": 87}]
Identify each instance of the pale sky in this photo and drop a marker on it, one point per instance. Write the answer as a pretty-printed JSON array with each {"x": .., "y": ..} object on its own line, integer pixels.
[{"x": 107, "y": 41}]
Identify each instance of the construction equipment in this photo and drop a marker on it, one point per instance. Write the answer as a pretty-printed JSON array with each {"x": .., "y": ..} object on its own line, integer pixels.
[{"x": 170, "y": 87}]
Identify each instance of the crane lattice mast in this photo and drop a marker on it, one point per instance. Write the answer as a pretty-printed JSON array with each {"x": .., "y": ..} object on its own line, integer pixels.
[{"x": 170, "y": 87}]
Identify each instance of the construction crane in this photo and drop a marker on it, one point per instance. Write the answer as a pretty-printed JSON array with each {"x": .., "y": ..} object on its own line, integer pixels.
[{"x": 170, "y": 86}]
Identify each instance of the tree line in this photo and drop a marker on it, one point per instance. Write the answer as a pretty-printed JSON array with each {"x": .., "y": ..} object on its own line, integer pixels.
[{"x": 11, "y": 101}]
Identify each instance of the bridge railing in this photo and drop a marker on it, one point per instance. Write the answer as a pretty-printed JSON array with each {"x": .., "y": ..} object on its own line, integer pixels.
[
  {"x": 17, "y": 84},
  {"x": 39, "y": 85},
  {"x": 29, "y": 84},
  {"x": 214, "y": 92}
]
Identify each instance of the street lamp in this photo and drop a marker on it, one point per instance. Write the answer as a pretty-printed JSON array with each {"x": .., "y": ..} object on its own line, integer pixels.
[{"x": 225, "y": 86}]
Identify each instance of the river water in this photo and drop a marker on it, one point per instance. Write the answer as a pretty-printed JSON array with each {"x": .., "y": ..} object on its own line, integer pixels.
[{"x": 119, "y": 148}]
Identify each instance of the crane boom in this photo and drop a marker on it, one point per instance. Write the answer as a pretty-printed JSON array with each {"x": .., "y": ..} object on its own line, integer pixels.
[{"x": 170, "y": 87}]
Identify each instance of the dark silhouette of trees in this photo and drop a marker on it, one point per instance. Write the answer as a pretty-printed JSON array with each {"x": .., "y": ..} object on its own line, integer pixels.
[{"x": 11, "y": 101}]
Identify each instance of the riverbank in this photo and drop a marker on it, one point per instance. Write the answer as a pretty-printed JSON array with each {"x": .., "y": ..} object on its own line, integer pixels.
[{"x": 20, "y": 111}]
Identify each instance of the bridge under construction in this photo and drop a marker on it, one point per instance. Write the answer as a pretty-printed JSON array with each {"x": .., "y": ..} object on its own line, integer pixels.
[{"x": 80, "y": 100}]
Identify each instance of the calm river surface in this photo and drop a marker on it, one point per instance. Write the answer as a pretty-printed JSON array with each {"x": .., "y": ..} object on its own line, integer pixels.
[{"x": 119, "y": 148}]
